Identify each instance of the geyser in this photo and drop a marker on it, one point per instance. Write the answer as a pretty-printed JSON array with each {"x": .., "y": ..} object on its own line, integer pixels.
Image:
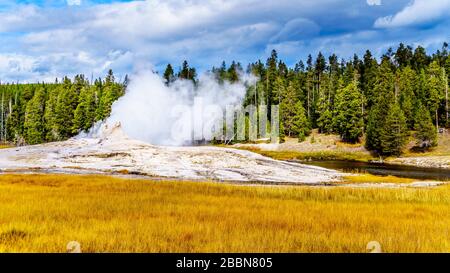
[{"x": 174, "y": 115}]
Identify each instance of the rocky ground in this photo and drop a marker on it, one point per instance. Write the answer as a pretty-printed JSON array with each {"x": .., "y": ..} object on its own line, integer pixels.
[
  {"x": 442, "y": 162},
  {"x": 114, "y": 152}
]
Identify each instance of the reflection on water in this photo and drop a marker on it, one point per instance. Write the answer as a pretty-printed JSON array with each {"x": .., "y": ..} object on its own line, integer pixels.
[{"x": 385, "y": 169}]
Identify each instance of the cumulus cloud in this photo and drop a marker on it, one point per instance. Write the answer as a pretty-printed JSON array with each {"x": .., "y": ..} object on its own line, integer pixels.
[
  {"x": 92, "y": 38},
  {"x": 417, "y": 12}
]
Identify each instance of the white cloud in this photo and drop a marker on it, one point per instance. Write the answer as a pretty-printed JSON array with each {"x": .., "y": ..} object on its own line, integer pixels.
[
  {"x": 15, "y": 63},
  {"x": 120, "y": 35},
  {"x": 74, "y": 2},
  {"x": 373, "y": 2},
  {"x": 297, "y": 29},
  {"x": 153, "y": 31},
  {"x": 415, "y": 13}
]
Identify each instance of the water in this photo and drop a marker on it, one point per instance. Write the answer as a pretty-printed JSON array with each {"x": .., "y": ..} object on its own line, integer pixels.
[{"x": 385, "y": 169}]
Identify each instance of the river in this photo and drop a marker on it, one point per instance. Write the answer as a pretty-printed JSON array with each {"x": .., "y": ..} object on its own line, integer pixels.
[{"x": 385, "y": 169}]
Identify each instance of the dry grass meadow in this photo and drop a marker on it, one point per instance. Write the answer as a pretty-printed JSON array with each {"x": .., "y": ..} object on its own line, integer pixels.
[{"x": 42, "y": 213}]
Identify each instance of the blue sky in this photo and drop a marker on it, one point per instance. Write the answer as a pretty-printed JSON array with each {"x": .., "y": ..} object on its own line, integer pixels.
[{"x": 44, "y": 39}]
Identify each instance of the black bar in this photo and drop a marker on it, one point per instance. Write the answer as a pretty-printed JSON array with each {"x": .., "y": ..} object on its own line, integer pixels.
[{"x": 227, "y": 262}]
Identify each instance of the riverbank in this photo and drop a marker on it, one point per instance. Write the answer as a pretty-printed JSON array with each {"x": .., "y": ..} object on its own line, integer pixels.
[
  {"x": 320, "y": 147},
  {"x": 439, "y": 162},
  {"x": 105, "y": 214}
]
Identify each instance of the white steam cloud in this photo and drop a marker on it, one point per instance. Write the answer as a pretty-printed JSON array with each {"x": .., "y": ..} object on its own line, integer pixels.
[{"x": 170, "y": 115}]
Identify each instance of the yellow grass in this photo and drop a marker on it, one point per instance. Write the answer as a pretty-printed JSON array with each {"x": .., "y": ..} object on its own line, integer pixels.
[
  {"x": 316, "y": 155},
  {"x": 342, "y": 144},
  {"x": 369, "y": 178},
  {"x": 42, "y": 213}
]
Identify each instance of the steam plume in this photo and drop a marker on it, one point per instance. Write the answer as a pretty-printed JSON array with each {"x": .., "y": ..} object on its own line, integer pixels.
[{"x": 170, "y": 115}]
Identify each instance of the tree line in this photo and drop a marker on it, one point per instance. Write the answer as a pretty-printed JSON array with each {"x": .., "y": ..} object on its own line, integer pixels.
[
  {"x": 362, "y": 99},
  {"x": 44, "y": 112}
]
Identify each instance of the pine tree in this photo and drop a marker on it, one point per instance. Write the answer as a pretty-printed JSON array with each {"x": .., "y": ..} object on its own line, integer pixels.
[
  {"x": 373, "y": 130},
  {"x": 288, "y": 111},
  {"x": 34, "y": 123},
  {"x": 187, "y": 73},
  {"x": 108, "y": 97},
  {"x": 403, "y": 56},
  {"x": 394, "y": 132},
  {"x": 301, "y": 122},
  {"x": 348, "y": 118},
  {"x": 279, "y": 90},
  {"x": 111, "y": 91},
  {"x": 368, "y": 79},
  {"x": 169, "y": 75},
  {"x": 406, "y": 86},
  {"x": 333, "y": 82},
  {"x": 426, "y": 134},
  {"x": 270, "y": 79},
  {"x": 282, "y": 133},
  {"x": 99, "y": 103},
  {"x": 435, "y": 90},
  {"x": 420, "y": 59},
  {"x": 84, "y": 113},
  {"x": 110, "y": 79},
  {"x": 232, "y": 73},
  {"x": 65, "y": 108},
  {"x": 50, "y": 115},
  {"x": 90, "y": 106},
  {"x": 384, "y": 89},
  {"x": 221, "y": 73},
  {"x": 325, "y": 119}
]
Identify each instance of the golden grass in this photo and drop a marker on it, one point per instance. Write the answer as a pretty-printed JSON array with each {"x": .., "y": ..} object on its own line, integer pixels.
[
  {"x": 324, "y": 155},
  {"x": 342, "y": 144},
  {"x": 5, "y": 146},
  {"x": 42, "y": 213},
  {"x": 369, "y": 178}
]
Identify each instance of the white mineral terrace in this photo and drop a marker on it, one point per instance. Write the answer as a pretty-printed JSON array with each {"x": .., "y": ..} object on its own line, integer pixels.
[{"x": 114, "y": 152}]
